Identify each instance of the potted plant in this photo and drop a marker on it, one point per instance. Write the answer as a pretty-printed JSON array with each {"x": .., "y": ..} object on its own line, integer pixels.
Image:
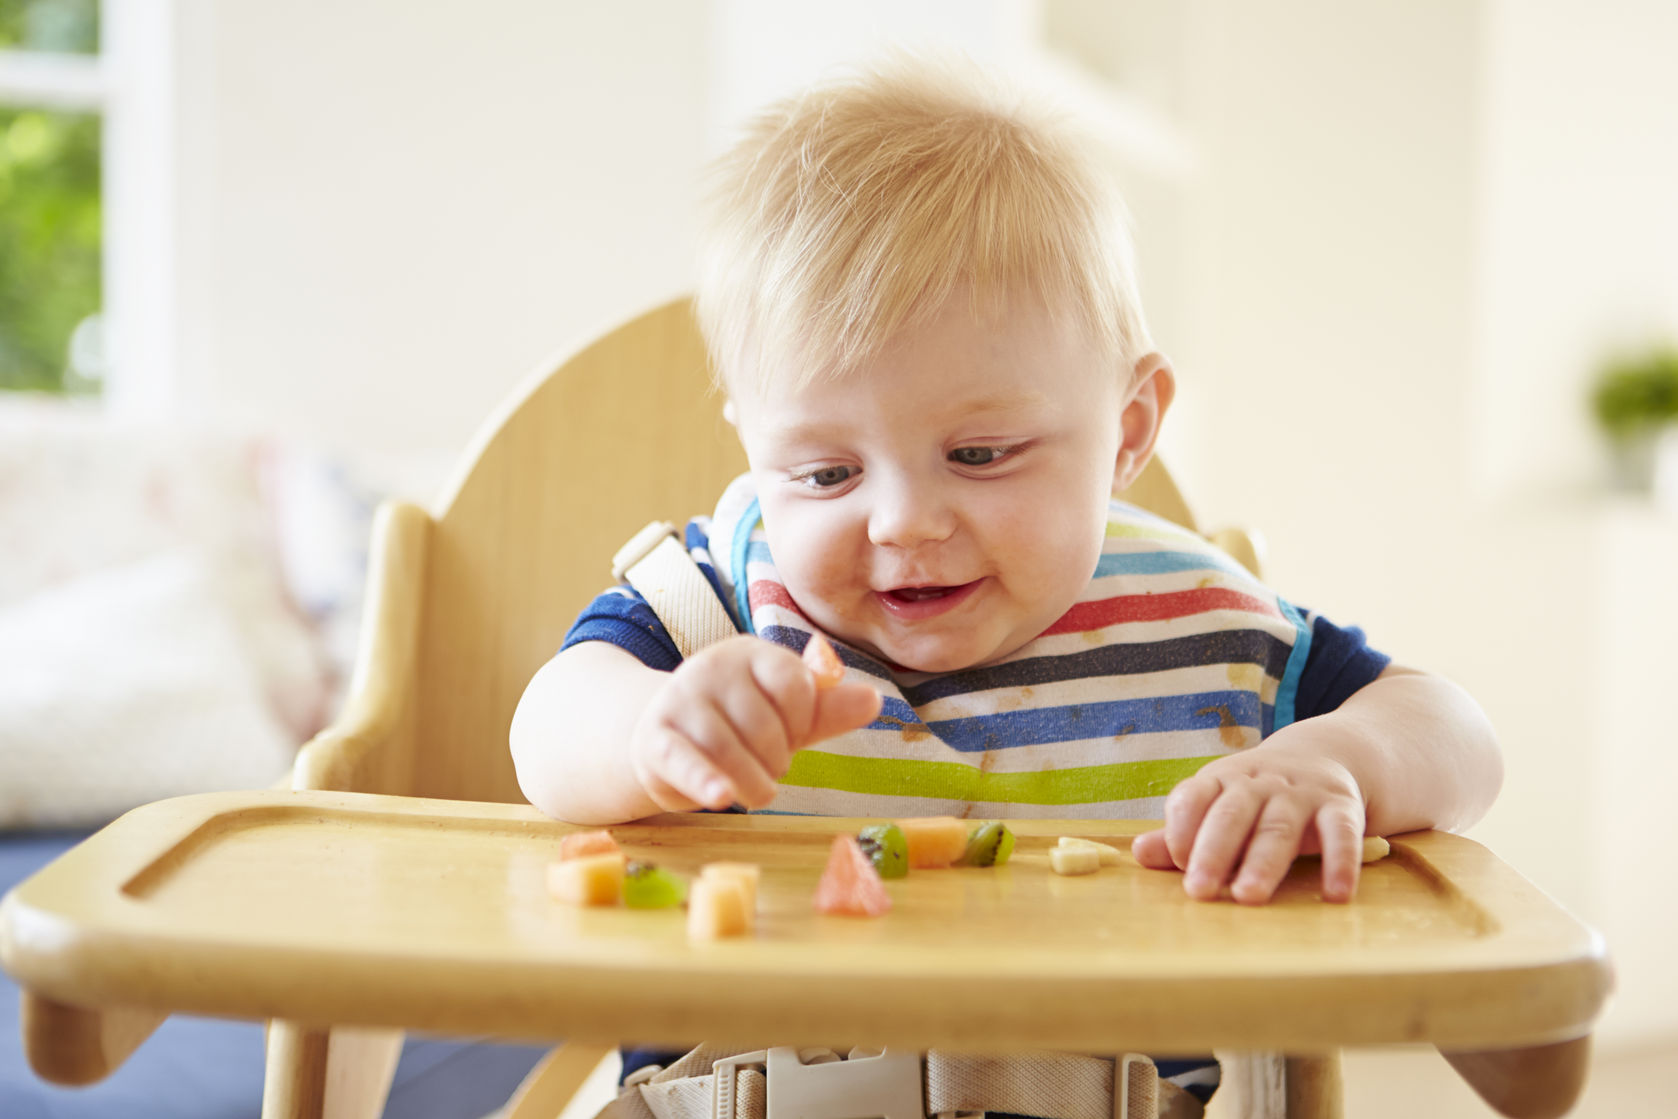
[{"x": 1635, "y": 401}]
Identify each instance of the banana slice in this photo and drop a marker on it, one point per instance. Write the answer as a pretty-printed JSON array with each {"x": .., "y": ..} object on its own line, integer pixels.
[
  {"x": 1110, "y": 855},
  {"x": 1074, "y": 860}
]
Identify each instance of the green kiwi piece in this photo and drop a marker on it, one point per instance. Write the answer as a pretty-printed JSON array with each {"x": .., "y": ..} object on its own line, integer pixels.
[
  {"x": 647, "y": 886},
  {"x": 886, "y": 848},
  {"x": 989, "y": 844}
]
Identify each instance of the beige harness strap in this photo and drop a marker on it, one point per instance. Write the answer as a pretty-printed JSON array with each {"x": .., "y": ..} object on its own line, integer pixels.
[
  {"x": 1055, "y": 1085},
  {"x": 656, "y": 564}
]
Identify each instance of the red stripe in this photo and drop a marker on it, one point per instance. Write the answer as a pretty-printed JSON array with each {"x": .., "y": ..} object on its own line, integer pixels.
[
  {"x": 1156, "y": 608},
  {"x": 765, "y": 592}
]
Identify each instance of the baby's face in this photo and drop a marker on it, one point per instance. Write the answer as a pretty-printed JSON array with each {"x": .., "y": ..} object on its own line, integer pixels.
[{"x": 944, "y": 504}]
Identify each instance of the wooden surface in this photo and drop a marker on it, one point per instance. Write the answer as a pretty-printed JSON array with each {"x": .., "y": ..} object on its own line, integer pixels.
[{"x": 323, "y": 908}]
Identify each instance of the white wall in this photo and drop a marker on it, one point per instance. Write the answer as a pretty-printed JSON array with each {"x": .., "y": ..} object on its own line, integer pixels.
[{"x": 397, "y": 209}]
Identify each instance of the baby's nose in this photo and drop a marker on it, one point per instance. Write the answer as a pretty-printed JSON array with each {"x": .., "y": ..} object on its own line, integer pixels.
[{"x": 907, "y": 516}]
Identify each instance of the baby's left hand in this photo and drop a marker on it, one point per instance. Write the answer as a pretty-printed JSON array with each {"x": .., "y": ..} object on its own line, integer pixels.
[{"x": 1243, "y": 819}]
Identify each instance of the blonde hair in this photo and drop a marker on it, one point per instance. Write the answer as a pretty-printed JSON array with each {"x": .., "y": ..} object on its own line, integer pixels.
[{"x": 851, "y": 212}]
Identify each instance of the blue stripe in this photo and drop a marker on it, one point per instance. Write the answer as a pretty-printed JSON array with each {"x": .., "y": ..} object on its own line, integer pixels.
[
  {"x": 1077, "y": 721},
  {"x": 1287, "y": 691},
  {"x": 1165, "y": 563},
  {"x": 737, "y": 563}
]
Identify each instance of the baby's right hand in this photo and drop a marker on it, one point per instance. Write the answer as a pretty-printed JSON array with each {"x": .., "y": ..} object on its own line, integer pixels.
[{"x": 723, "y": 729}]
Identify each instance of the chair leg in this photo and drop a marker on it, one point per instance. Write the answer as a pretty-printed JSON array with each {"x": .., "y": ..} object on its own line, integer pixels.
[
  {"x": 1315, "y": 1089},
  {"x": 1271, "y": 1086},
  {"x": 1539, "y": 1082},
  {"x": 316, "y": 1074},
  {"x": 555, "y": 1081}
]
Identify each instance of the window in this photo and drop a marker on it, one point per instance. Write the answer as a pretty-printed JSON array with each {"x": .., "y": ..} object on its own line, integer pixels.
[{"x": 51, "y": 226}]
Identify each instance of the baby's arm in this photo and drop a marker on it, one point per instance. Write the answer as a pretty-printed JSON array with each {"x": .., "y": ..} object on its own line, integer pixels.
[
  {"x": 600, "y": 738},
  {"x": 1406, "y": 751}
]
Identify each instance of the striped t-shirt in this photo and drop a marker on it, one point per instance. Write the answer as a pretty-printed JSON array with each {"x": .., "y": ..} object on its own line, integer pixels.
[{"x": 1174, "y": 655}]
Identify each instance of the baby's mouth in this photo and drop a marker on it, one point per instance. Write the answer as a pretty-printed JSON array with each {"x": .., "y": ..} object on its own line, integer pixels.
[{"x": 919, "y": 594}]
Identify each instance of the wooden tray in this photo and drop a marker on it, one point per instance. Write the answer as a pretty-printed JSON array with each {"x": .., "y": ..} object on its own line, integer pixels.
[{"x": 333, "y": 908}]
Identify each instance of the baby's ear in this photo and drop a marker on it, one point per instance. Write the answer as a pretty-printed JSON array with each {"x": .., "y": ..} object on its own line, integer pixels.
[
  {"x": 1153, "y": 385},
  {"x": 730, "y": 413}
]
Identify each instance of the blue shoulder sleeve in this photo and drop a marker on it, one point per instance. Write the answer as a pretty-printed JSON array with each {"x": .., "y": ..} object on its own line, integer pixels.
[{"x": 1340, "y": 662}]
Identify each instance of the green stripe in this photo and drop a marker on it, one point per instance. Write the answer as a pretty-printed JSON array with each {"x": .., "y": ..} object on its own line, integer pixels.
[{"x": 953, "y": 781}]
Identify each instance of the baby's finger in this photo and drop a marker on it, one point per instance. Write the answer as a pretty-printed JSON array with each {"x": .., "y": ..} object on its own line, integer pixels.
[
  {"x": 1222, "y": 836},
  {"x": 1340, "y": 832},
  {"x": 757, "y": 725},
  {"x": 712, "y": 735},
  {"x": 1271, "y": 850},
  {"x": 679, "y": 777},
  {"x": 789, "y": 688},
  {"x": 841, "y": 708},
  {"x": 1150, "y": 850},
  {"x": 1185, "y": 808}
]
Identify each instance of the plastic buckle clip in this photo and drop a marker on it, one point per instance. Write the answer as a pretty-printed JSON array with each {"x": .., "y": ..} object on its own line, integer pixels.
[
  {"x": 722, "y": 1078},
  {"x": 887, "y": 1086}
]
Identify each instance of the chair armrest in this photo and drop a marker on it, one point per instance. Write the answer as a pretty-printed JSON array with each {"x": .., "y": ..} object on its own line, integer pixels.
[{"x": 369, "y": 747}]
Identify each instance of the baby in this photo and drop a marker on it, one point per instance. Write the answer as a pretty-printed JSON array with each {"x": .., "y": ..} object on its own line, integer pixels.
[{"x": 918, "y": 295}]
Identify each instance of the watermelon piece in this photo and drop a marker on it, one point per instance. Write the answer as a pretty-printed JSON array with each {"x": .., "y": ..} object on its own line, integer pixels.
[
  {"x": 718, "y": 908},
  {"x": 850, "y": 886},
  {"x": 580, "y": 843},
  {"x": 587, "y": 879},
  {"x": 934, "y": 841},
  {"x": 823, "y": 662}
]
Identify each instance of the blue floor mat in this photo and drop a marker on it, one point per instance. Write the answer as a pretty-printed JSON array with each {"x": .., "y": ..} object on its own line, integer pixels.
[{"x": 197, "y": 1068}]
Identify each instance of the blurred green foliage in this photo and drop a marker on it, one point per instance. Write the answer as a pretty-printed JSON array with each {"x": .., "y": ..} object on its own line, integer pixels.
[
  {"x": 50, "y": 25},
  {"x": 49, "y": 241},
  {"x": 1637, "y": 393},
  {"x": 50, "y": 222}
]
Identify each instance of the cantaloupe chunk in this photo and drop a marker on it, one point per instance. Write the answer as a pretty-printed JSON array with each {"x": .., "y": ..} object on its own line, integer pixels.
[
  {"x": 747, "y": 874},
  {"x": 934, "y": 841},
  {"x": 718, "y": 907},
  {"x": 580, "y": 843},
  {"x": 587, "y": 879},
  {"x": 823, "y": 662}
]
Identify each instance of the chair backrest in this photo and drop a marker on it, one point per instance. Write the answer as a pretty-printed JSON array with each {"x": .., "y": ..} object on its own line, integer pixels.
[{"x": 623, "y": 431}]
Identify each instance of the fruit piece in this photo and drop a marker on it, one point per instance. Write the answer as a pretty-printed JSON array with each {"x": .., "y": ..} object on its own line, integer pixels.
[
  {"x": 587, "y": 879},
  {"x": 1074, "y": 860},
  {"x": 746, "y": 874},
  {"x": 934, "y": 841},
  {"x": 1110, "y": 855},
  {"x": 717, "y": 908},
  {"x": 850, "y": 886},
  {"x": 886, "y": 849},
  {"x": 646, "y": 886},
  {"x": 1374, "y": 847},
  {"x": 823, "y": 662},
  {"x": 587, "y": 843},
  {"x": 989, "y": 844}
]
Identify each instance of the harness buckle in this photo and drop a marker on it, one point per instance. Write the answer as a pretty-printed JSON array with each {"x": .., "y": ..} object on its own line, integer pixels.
[{"x": 887, "y": 1086}]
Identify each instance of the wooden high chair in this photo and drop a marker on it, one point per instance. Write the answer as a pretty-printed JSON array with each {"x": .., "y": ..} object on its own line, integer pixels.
[{"x": 399, "y": 885}]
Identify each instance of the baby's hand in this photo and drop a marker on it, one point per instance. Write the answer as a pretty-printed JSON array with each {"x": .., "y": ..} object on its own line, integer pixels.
[
  {"x": 1245, "y": 817},
  {"x": 723, "y": 729}
]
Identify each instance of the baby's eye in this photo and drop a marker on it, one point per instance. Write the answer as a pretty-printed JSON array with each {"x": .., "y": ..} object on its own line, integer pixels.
[
  {"x": 827, "y": 477},
  {"x": 979, "y": 456}
]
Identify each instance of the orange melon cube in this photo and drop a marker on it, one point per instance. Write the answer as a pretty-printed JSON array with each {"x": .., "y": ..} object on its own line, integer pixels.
[
  {"x": 587, "y": 879},
  {"x": 718, "y": 907},
  {"x": 747, "y": 874},
  {"x": 824, "y": 664},
  {"x": 934, "y": 841},
  {"x": 580, "y": 843}
]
